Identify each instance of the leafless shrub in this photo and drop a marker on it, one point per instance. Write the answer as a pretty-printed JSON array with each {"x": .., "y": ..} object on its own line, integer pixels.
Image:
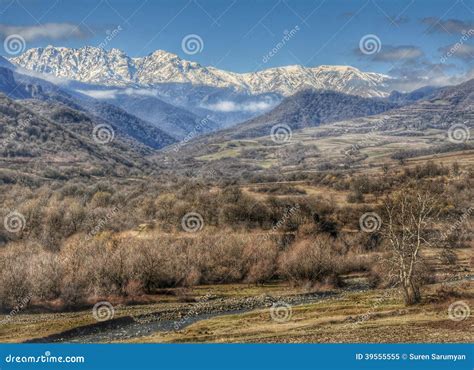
[
  {"x": 261, "y": 259},
  {"x": 14, "y": 275},
  {"x": 309, "y": 261},
  {"x": 46, "y": 275}
]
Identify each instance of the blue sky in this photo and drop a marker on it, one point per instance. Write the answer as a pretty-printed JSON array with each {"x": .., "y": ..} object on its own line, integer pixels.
[{"x": 415, "y": 36}]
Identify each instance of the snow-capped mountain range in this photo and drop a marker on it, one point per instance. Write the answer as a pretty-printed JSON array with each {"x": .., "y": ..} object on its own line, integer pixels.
[{"x": 116, "y": 69}]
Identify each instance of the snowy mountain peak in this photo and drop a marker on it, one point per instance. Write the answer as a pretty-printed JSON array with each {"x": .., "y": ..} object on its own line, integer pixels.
[
  {"x": 114, "y": 68},
  {"x": 163, "y": 54}
]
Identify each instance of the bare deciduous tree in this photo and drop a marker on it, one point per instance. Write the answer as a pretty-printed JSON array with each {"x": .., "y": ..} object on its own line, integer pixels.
[{"x": 409, "y": 218}]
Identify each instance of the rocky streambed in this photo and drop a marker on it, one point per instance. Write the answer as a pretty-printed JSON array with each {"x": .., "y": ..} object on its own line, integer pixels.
[{"x": 177, "y": 317}]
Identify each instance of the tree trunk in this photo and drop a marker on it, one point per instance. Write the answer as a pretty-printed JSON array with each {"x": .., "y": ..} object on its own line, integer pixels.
[{"x": 412, "y": 294}]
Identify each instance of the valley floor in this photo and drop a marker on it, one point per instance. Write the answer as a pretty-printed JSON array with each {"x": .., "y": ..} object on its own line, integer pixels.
[{"x": 243, "y": 313}]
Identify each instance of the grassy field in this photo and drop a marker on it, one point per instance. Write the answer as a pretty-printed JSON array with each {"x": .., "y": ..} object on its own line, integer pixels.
[{"x": 374, "y": 148}]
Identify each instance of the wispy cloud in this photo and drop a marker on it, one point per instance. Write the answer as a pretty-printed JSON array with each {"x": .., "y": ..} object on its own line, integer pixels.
[
  {"x": 459, "y": 50},
  {"x": 416, "y": 73},
  {"x": 435, "y": 78},
  {"x": 400, "y": 19},
  {"x": 53, "y": 31},
  {"x": 397, "y": 20},
  {"x": 391, "y": 53},
  {"x": 447, "y": 26},
  {"x": 347, "y": 14}
]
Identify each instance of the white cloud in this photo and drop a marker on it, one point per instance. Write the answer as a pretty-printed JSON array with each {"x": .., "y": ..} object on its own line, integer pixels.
[
  {"x": 141, "y": 92},
  {"x": 230, "y": 106},
  {"x": 54, "y": 31},
  {"x": 112, "y": 93},
  {"x": 99, "y": 94},
  {"x": 44, "y": 76}
]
